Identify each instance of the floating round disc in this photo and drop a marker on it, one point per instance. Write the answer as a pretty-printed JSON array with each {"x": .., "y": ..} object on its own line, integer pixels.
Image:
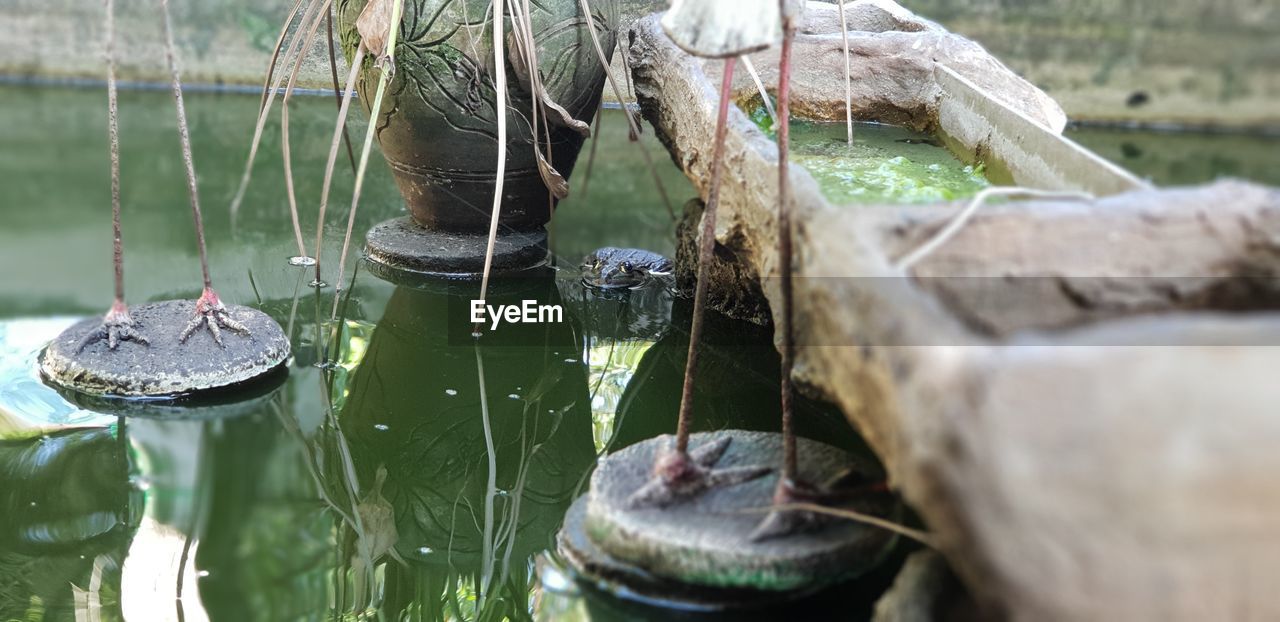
[
  {"x": 166, "y": 367},
  {"x": 705, "y": 540},
  {"x": 401, "y": 245}
]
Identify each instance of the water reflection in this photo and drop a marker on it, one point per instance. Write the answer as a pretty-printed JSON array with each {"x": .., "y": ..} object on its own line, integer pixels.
[
  {"x": 270, "y": 508},
  {"x": 65, "y": 523},
  {"x": 483, "y": 444},
  {"x": 404, "y": 471}
]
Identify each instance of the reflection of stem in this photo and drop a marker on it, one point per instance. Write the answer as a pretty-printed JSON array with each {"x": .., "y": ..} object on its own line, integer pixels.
[
  {"x": 197, "y": 522},
  {"x": 293, "y": 308},
  {"x": 291, "y": 426},
  {"x": 491, "y": 485},
  {"x": 608, "y": 360}
]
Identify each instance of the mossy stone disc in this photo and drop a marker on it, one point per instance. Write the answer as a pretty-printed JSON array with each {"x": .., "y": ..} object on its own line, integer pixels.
[
  {"x": 165, "y": 367},
  {"x": 705, "y": 540},
  {"x": 402, "y": 245}
]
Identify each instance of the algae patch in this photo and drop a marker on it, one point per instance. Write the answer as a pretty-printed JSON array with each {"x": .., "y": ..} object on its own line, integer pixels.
[{"x": 885, "y": 164}]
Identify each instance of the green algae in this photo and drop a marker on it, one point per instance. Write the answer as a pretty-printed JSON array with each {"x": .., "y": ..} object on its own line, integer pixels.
[{"x": 885, "y": 163}]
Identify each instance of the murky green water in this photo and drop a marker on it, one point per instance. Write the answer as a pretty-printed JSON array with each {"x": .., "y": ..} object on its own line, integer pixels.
[
  {"x": 1178, "y": 159},
  {"x": 269, "y": 509},
  {"x": 885, "y": 163}
]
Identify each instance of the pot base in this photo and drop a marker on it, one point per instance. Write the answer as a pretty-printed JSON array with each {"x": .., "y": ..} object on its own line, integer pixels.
[{"x": 400, "y": 245}]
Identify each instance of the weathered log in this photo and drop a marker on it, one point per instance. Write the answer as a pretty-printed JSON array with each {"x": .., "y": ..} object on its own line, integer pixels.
[{"x": 1047, "y": 264}]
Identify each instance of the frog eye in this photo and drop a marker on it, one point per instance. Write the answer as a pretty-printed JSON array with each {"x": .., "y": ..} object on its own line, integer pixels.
[{"x": 625, "y": 266}]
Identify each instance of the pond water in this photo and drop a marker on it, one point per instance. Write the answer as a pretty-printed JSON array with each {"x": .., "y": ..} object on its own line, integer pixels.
[
  {"x": 270, "y": 507},
  {"x": 1183, "y": 158},
  {"x": 884, "y": 164}
]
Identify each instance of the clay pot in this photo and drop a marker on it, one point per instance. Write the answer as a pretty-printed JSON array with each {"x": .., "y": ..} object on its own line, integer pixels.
[{"x": 438, "y": 128}]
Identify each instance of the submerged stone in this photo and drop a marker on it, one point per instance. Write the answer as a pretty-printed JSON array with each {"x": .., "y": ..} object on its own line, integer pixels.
[
  {"x": 705, "y": 541},
  {"x": 166, "y": 367},
  {"x": 400, "y": 245}
]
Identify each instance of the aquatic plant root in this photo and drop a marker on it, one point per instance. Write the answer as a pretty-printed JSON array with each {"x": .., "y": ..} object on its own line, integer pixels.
[
  {"x": 212, "y": 314},
  {"x": 786, "y": 519},
  {"x": 117, "y": 325},
  {"x": 678, "y": 475}
]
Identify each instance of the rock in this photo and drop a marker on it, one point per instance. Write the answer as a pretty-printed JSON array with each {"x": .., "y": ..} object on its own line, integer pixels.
[
  {"x": 738, "y": 293},
  {"x": 863, "y": 15},
  {"x": 166, "y": 367},
  {"x": 926, "y": 590},
  {"x": 892, "y": 70},
  {"x": 705, "y": 540}
]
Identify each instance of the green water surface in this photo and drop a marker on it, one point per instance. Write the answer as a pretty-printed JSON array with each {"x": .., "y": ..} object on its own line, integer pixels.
[{"x": 885, "y": 163}]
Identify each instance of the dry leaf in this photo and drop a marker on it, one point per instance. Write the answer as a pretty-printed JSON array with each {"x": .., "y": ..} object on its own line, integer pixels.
[{"x": 374, "y": 26}]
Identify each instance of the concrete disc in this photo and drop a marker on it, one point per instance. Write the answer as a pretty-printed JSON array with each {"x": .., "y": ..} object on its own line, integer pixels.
[
  {"x": 401, "y": 245},
  {"x": 705, "y": 540},
  {"x": 165, "y": 367},
  {"x": 614, "y": 576}
]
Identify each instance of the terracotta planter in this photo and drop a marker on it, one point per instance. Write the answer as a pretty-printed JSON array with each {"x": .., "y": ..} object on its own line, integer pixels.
[{"x": 438, "y": 128}]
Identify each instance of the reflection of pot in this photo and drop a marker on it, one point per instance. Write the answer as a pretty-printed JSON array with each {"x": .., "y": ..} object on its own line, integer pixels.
[
  {"x": 736, "y": 387},
  {"x": 414, "y": 407},
  {"x": 65, "y": 520},
  {"x": 62, "y": 490},
  {"x": 439, "y": 131}
]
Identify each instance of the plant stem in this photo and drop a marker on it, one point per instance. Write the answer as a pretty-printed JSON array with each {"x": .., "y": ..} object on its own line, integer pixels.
[
  {"x": 631, "y": 123},
  {"x": 848, "y": 80},
  {"x": 184, "y": 137},
  {"x": 374, "y": 111},
  {"x": 285, "y": 150},
  {"x": 113, "y": 133},
  {"x": 270, "y": 96},
  {"x": 764, "y": 94},
  {"x": 333, "y": 73},
  {"x": 784, "y": 246},
  {"x": 591, "y": 156},
  {"x": 339, "y": 130},
  {"x": 500, "y": 93},
  {"x": 275, "y": 54},
  {"x": 706, "y": 247}
]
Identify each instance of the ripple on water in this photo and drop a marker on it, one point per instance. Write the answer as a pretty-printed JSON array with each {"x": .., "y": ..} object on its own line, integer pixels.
[{"x": 26, "y": 403}]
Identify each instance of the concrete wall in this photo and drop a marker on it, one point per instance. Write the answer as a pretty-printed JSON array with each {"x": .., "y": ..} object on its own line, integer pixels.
[
  {"x": 1195, "y": 61},
  {"x": 1211, "y": 62}
]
